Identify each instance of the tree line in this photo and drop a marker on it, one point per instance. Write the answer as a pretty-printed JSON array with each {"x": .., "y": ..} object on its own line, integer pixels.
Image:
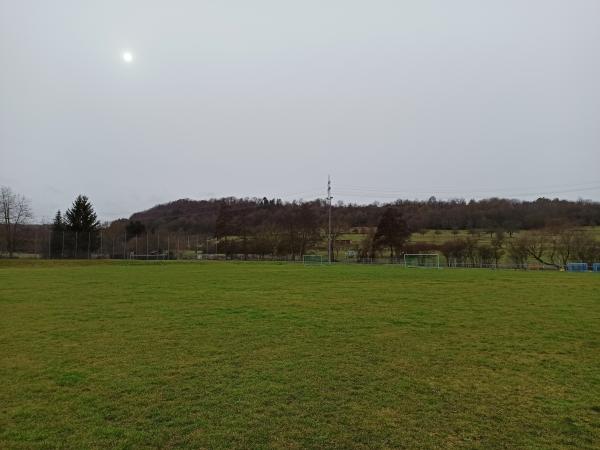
[
  {"x": 253, "y": 226},
  {"x": 552, "y": 246},
  {"x": 201, "y": 216}
]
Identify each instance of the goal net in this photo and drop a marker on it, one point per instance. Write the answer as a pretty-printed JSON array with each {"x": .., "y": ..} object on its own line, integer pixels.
[
  {"x": 423, "y": 260},
  {"x": 312, "y": 260}
]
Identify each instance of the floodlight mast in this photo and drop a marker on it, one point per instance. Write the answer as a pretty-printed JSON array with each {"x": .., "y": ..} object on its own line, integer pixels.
[{"x": 329, "y": 198}]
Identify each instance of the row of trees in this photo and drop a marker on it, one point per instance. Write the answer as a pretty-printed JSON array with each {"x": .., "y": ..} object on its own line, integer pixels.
[
  {"x": 272, "y": 227},
  {"x": 17, "y": 216},
  {"x": 555, "y": 247},
  {"x": 298, "y": 230},
  {"x": 551, "y": 246},
  {"x": 471, "y": 252}
]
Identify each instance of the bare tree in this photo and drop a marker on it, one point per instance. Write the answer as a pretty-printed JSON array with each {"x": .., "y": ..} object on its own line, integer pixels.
[
  {"x": 564, "y": 243},
  {"x": 498, "y": 246},
  {"x": 550, "y": 246},
  {"x": 338, "y": 227},
  {"x": 585, "y": 247},
  {"x": 16, "y": 211},
  {"x": 518, "y": 250},
  {"x": 540, "y": 245},
  {"x": 367, "y": 248}
]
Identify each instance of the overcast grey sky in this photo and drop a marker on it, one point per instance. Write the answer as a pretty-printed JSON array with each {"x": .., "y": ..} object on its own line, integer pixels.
[{"x": 462, "y": 98}]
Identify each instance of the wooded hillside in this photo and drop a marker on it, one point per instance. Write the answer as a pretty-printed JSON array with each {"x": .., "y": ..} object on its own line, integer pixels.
[{"x": 228, "y": 215}]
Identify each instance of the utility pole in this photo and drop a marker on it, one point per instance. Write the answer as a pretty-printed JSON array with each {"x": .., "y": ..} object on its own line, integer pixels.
[{"x": 329, "y": 198}]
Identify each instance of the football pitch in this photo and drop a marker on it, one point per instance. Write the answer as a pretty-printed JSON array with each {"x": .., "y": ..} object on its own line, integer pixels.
[{"x": 260, "y": 355}]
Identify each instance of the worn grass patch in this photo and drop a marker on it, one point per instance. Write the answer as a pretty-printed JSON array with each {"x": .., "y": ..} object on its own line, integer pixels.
[{"x": 226, "y": 355}]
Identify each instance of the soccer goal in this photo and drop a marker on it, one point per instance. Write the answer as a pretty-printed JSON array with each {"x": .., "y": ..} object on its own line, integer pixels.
[
  {"x": 312, "y": 260},
  {"x": 422, "y": 260}
]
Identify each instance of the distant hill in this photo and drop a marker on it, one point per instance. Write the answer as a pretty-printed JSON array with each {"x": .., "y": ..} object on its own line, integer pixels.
[
  {"x": 201, "y": 216},
  {"x": 184, "y": 214}
]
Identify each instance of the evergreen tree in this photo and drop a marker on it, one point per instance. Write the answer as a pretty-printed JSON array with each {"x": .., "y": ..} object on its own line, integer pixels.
[
  {"x": 81, "y": 216},
  {"x": 57, "y": 239},
  {"x": 392, "y": 231},
  {"x": 58, "y": 225}
]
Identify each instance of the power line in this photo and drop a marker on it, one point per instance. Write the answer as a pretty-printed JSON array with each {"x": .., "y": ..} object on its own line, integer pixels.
[
  {"x": 451, "y": 189},
  {"x": 398, "y": 195}
]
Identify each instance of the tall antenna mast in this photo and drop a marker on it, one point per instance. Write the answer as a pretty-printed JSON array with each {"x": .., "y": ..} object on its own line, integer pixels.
[{"x": 329, "y": 198}]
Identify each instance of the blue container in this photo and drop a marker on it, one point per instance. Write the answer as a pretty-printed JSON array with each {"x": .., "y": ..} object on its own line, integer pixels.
[
  {"x": 596, "y": 267},
  {"x": 577, "y": 267}
]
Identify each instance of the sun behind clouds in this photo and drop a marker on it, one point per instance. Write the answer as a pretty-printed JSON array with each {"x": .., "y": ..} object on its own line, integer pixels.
[{"x": 127, "y": 56}]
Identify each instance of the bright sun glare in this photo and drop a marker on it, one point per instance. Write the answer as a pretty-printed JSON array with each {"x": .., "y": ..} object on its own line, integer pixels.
[{"x": 127, "y": 57}]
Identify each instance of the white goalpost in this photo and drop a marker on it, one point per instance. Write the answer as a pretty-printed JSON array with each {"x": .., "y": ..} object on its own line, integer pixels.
[
  {"x": 312, "y": 260},
  {"x": 422, "y": 260}
]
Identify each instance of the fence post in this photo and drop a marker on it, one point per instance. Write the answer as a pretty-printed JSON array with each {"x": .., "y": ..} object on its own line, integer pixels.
[
  {"x": 76, "y": 245},
  {"x": 49, "y": 244}
]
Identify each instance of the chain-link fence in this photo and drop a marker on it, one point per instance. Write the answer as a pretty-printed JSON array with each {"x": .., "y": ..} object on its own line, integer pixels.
[{"x": 43, "y": 242}]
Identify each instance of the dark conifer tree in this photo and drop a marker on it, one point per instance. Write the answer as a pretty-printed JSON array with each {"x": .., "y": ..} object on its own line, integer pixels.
[
  {"x": 58, "y": 225},
  {"x": 81, "y": 216},
  {"x": 392, "y": 231}
]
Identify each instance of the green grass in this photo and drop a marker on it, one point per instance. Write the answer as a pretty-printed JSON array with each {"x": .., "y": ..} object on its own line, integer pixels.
[{"x": 248, "y": 355}]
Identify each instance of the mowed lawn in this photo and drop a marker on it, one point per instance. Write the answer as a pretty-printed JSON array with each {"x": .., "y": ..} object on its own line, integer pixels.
[{"x": 249, "y": 355}]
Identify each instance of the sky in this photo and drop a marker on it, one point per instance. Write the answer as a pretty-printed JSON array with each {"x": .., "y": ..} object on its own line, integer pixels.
[{"x": 393, "y": 99}]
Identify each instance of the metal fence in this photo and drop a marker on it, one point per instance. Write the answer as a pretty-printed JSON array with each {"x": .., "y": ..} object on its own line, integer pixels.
[{"x": 41, "y": 242}]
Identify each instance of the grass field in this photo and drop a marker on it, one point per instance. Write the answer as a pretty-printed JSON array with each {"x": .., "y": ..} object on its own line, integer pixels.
[{"x": 248, "y": 355}]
